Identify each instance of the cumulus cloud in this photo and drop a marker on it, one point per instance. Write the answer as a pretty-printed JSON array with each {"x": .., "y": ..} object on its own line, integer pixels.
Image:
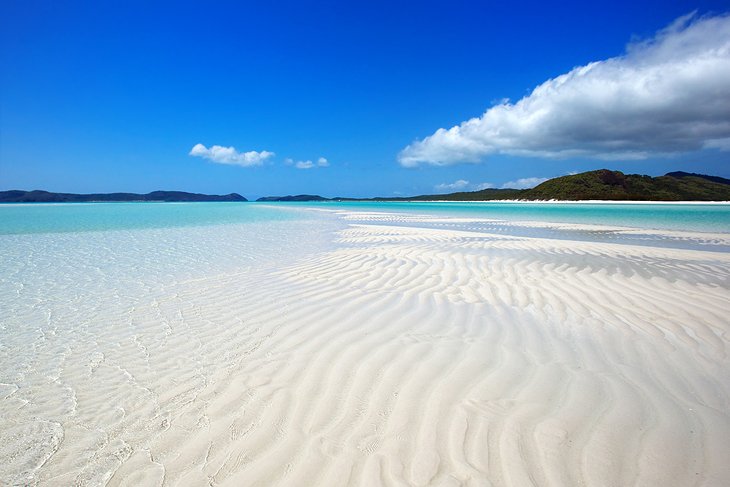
[
  {"x": 304, "y": 165},
  {"x": 461, "y": 185},
  {"x": 455, "y": 186},
  {"x": 229, "y": 155},
  {"x": 321, "y": 162},
  {"x": 524, "y": 183},
  {"x": 668, "y": 94}
]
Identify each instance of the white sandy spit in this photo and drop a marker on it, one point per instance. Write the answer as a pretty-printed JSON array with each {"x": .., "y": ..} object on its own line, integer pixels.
[{"x": 402, "y": 355}]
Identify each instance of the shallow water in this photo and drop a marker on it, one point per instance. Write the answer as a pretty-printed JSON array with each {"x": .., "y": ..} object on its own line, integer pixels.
[
  {"x": 88, "y": 217},
  {"x": 662, "y": 216},
  {"x": 85, "y": 344},
  {"x": 117, "y": 317},
  {"x": 77, "y": 217}
]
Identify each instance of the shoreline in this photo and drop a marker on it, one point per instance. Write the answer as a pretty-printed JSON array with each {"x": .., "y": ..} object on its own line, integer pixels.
[
  {"x": 553, "y": 225},
  {"x": 627, "y": 202},
  {"x": 610, "y": 202},
  {"x": 377, "y": 351},
  {"x": 657, "y": 226}
]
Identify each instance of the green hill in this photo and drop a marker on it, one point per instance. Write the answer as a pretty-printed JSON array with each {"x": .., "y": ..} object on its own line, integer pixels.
[
  {"x": 615, "y": 185},
  {"x": 682, "y": 174},
  {"x": 603, "y": 184}
]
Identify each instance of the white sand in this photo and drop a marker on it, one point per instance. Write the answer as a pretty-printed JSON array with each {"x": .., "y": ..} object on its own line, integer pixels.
[{"x": 420, "y": 356}]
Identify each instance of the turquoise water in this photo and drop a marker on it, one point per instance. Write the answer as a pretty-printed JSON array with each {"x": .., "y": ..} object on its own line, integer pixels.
[
  {"x": 692, "y": 217},
  {"x": 80, "y": 217},
  {"x": 84, "y": 217}
]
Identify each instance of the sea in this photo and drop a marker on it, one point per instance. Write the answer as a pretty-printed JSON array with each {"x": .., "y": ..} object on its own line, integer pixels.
[
  {"x": 84, "y": 217},
  {"x": 88, "y": 293}
]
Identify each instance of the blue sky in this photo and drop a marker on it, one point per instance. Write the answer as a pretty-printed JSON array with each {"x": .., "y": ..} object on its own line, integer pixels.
[{"x": 114, "y": 96}]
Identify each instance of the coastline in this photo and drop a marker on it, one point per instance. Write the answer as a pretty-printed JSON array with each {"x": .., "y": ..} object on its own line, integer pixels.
[
  {"x": 385, "y": 348},
  {"x": 617, "y": 202},
  {"x": 713, "y": 218},
  {"x": 629, "y": 202}
]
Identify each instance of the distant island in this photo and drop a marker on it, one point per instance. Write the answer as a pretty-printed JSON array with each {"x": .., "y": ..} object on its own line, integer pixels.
[
  {"x": 299, "y": 197},
  {"x": 37, "y": 196},
  {"x": 602, "y": 184}
]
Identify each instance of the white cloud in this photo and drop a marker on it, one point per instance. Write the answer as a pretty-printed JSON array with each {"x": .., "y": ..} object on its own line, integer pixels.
[
  {"x": 321, "y": 162},
  {"x": 524, "y": 183},
  {"x": 461, "y": 185},
  {"x": 304, "y": 165},
  {"x": 455, "y": 186},
  {"x": 669, "y": 94},
  {"x": 229, "y": 155}
]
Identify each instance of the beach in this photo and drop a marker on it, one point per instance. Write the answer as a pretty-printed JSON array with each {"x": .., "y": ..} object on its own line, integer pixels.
[{"x": 360, "y": 346}]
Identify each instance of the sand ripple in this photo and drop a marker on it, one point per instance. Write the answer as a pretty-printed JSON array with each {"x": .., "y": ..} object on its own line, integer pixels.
[{"x": 406, "y": 354}]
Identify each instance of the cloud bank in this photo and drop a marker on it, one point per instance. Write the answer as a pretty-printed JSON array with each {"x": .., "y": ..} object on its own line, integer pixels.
[
  {"x": 229, "y": 155},
  {"x": 669, "y": 94}
]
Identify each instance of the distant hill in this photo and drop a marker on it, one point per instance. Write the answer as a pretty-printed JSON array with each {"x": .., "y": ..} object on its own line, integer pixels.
[
  {"x": 299, "y": 197},
  {"x": 37, "y": 196},
  {"x": 615, "y": 185},
  {"x": 602, "y": 184},
  {"x": 682, "y": 174},
  {"x": 485, "y": 194},
  {"x": 481, "y": 195}
]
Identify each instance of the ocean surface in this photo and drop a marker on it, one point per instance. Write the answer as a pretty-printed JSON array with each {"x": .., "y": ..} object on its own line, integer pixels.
[
  {"x": 91, "y": 323},
  {"x": 81, "y": 217},
  {"x": 96, "y": 314},
  {"x": 661, "y": 216}
]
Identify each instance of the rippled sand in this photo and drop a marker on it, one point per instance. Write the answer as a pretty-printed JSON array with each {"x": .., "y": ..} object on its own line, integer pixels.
[{"x": 393, "y": 350}]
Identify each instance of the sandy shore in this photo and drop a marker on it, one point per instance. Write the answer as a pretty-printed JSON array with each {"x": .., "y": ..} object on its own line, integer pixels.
[{"x": 417, "y": 355}]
